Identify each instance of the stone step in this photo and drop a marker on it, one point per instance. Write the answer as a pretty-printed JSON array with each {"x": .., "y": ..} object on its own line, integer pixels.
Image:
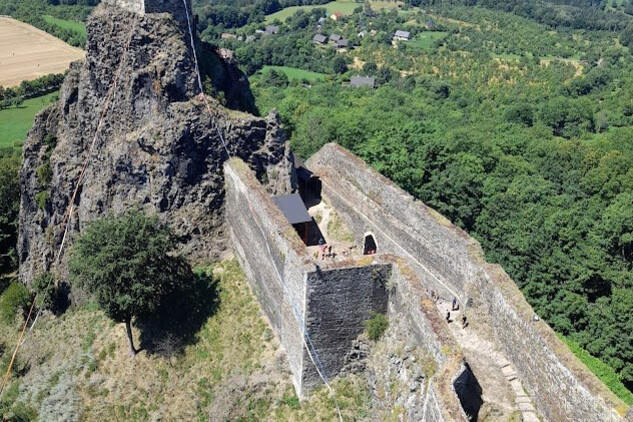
[
  {"x": 509, "y": 372},
  {"x": 530, "y": 417},
  {"x": 517, "y": 387},
  {"x": 526, "y": 407},
  {"x": 503, "y": 362},
  {"x": 523, "y": 399}
]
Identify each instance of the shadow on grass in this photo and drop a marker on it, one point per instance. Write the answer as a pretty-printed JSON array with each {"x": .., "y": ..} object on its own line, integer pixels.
[{"x": 176, "y": 323}]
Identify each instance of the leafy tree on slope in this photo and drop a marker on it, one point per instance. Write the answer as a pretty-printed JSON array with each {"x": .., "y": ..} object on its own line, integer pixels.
[{"x": 128, "y": 265}]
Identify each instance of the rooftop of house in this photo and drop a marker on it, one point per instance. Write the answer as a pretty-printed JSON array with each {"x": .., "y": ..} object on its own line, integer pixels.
[
  {"x": 402, "y": 34},
  {"x": 358, "y": 81},
  {"x": 342, "y": 43}
]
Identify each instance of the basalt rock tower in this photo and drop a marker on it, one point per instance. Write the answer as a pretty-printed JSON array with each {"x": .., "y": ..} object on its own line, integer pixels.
[{"x": 131, "y": 113}]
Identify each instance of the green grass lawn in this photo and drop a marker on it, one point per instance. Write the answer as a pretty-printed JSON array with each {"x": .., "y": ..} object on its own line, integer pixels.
[
  {"x": 507, "y": 57},
  {"x": 79, "y": 27},
  {"x": 346, "y": 7},
  {"x": 295, "y": 73},
  {"x": 425, "y": 40},
  {"x": 16, "y": 122}
]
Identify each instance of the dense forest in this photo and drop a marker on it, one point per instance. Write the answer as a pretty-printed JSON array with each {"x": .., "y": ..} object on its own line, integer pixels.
[{"x": 514, "y": 119}]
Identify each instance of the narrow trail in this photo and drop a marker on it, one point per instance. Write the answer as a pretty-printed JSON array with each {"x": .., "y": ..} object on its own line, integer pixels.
[{"x": 502, "y": 389}]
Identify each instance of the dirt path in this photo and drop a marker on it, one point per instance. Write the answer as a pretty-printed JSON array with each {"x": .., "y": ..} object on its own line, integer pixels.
[{"x": 28, "y": 53}]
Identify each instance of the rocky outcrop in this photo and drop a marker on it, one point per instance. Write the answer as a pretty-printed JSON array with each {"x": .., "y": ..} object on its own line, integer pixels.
[{"x": 157, "y": 147}]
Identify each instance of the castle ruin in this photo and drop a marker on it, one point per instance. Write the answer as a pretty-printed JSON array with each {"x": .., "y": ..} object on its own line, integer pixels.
[
  {"x": 399, "y": 257},
  {"x": 176, "y": 8}
]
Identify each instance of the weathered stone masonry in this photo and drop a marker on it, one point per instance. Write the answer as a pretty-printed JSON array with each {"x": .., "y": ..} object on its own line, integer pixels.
[
  {"x": 174, "y": 7},
  {"x": 451, "y": 263},
  {"x": 331, "y": 301}
]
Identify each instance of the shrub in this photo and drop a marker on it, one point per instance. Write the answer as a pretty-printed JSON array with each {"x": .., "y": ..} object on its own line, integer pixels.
[
  {"x": 50, "y": 295},
  {"x": 15, "y": 298},
  {"x": 45, "y": 174},
  {"x": 42, "y": 199},
  {"x": 376, "y": 325}
]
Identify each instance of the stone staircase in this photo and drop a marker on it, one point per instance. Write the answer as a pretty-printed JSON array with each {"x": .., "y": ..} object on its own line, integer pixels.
[
  {"x": 484, "y": 355},
  {"x": 523, "y": 401}
]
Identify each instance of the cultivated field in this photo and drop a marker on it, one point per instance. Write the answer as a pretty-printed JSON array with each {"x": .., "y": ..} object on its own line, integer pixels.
[
  {"x": 27, "y": 53},
  {"x": 345, "y": 7}
]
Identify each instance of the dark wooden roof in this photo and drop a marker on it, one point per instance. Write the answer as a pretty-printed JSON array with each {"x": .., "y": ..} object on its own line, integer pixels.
[{"x": 293, "y": 208}]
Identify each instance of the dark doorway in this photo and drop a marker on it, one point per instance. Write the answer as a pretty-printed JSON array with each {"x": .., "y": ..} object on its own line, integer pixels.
[
  {"x": 309, "y": 186},
  {"x": 469, "y": 393},
  {"x": 370, "y": 245}
]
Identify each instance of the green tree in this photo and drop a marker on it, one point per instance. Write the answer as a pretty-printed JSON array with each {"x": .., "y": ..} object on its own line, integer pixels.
[
  {"x": 339, "y": 65},
  {"x": 626, "y": 36},
  {"x": 128, "y": 264},
  {"x": 9, "y": 207}
]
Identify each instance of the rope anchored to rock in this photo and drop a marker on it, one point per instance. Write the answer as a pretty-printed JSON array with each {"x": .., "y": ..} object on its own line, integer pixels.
[{"x": 71, "y": 206}]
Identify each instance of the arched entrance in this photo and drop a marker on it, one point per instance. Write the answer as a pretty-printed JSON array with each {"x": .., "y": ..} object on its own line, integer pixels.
[{"x": 369, "y": 246}]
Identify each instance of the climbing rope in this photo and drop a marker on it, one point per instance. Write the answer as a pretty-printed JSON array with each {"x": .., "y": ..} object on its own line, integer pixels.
[
  {"x": 305, "y": 337},
  {"x": 71, "y": 205}
]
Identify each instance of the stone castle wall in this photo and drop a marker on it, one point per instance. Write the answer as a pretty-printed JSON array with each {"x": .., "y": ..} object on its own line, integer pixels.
[
  {"x": 174, "y": 7},
  {"x": 269, "y": 253},
  {"x": 332, "y": 301},
  {"x": 451, "y": 263},
  {"x": 338, "y": 303},
  {"x": 370, "y": 203},
  {"x": 411, "y": 306}
]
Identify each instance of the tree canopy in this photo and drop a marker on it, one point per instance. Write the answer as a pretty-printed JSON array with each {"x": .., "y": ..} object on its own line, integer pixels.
[{"x": 128, "y": 264}]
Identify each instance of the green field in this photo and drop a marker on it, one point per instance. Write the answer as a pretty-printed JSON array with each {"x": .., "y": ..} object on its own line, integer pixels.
[
  {"x": 295, "y": 73},
  {"x": 425, "y": 40},
  {"x": 79, "y": 27},
  {"x": 16, "y": 122},
  {"x": 345, "y": 7}
]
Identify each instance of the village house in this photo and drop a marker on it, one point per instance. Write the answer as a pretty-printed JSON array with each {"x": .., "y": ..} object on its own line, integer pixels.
[
  {"x": 319, "y": 39},
  {"x": 228, "y": 36},
  {"x": 341, "y": 44},
  {"x": 271, "y": 30},
  {"x": 336, "y": 16},
  {"x": 401, "y": 35},
  {"x": 334, "y": 38},
  {"x": 362, "y": 81}
]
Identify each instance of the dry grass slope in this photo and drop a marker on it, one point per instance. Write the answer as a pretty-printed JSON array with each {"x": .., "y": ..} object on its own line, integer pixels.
[{"x": 80, "y": 370}]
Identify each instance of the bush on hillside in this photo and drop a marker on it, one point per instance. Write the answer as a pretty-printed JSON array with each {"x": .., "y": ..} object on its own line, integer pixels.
[
  {"x": 50, "y": 294},
  {"x": 376, "y": 325},
  {"x": 16, "y": 298}
]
